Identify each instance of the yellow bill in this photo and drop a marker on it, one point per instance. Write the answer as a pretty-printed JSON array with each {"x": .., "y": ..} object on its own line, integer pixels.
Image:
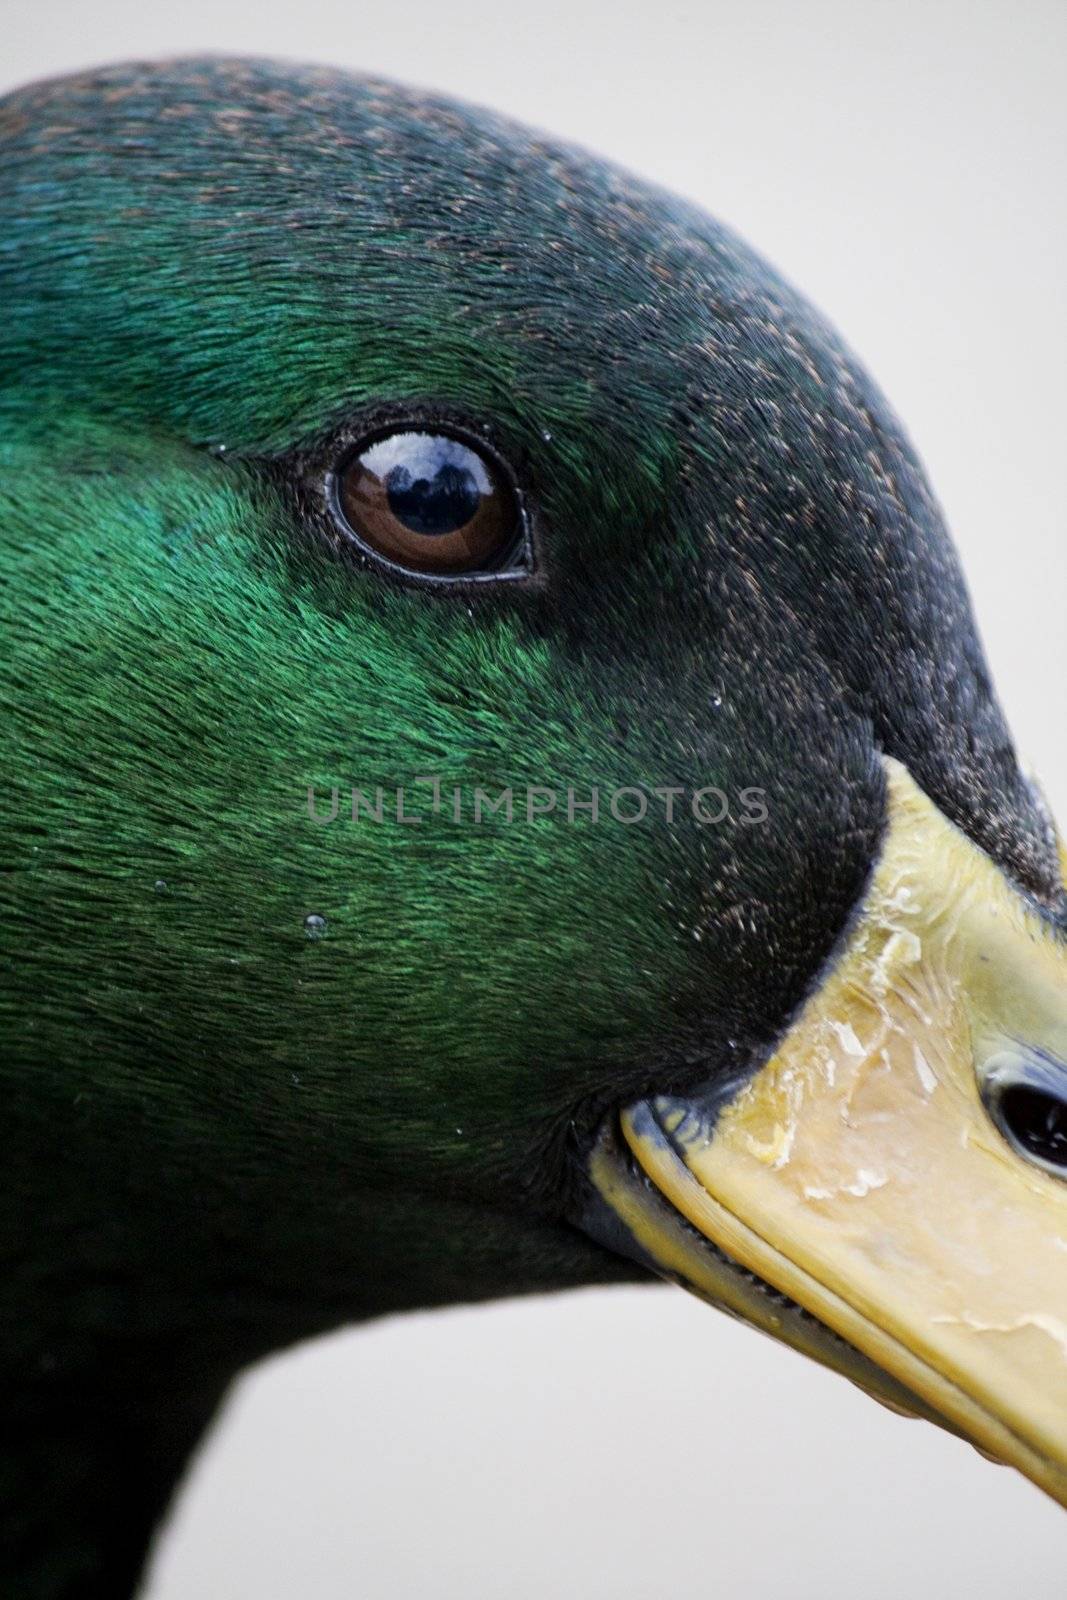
[{"x": 897, "y": 1168}]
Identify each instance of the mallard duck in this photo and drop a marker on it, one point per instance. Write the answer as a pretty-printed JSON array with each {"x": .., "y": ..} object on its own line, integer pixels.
[{"x": 501, "y": 792}]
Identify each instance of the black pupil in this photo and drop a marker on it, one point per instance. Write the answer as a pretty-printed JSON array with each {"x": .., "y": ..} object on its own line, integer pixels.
[
  {"x": 436, "y": 505},
  {"x": 1039, "y": 1123}
]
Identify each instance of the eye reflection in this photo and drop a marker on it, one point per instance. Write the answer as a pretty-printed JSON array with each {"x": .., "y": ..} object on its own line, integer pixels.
[{"x": 430, "y": 503}]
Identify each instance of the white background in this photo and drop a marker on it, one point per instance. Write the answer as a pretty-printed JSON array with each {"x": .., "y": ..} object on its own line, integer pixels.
[{"x": 903, "y": 163}]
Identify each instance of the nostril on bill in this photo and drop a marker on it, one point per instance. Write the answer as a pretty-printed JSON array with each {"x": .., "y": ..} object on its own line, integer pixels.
[
  {"x": 1025, "y": 1092},
  {"x": 1037, "y": 1122}
]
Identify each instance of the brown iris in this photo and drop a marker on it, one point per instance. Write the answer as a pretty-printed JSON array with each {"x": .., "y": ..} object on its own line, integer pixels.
[{"x": 430, "y": 503}]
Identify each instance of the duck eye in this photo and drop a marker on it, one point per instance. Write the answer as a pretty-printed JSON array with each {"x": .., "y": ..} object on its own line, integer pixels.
[{"x": 430, "y": 503}]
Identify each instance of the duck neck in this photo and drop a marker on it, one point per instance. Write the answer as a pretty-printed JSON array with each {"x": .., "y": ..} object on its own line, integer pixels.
[{"x": 86, "y": 1472}]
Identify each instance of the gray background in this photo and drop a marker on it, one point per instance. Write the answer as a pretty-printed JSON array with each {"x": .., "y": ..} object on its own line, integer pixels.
[{"x": 903, "y": 163}]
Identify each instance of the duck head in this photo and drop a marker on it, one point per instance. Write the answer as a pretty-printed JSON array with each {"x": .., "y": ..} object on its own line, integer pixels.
[{"x": 502, "y": 789}]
